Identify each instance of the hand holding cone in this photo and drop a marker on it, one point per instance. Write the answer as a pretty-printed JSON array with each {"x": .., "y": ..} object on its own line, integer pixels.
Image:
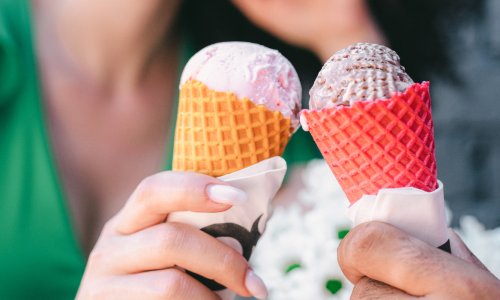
[
  {"x": 237, "y": 110},
  {"x": 374, "y": 128}
]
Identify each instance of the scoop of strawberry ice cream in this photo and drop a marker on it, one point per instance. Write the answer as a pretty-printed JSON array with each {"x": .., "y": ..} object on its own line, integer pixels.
[
  {"x": 249, "y": 70},
  {"x": 360, "y": 72}
]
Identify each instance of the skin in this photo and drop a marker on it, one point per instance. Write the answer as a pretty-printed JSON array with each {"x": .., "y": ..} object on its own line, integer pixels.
[
  {"x": 386, "y": 263},
  {"x": 108, "y": 77},
  {"x": 382, "y": 261},
  {"x": 139, "y": 257},
  {"x": 322, "y": 26},
  {"x": 108, "y": 91}
]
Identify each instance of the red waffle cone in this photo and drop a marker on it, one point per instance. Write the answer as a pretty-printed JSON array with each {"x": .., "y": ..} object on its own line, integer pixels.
[{"x": 379, "y": 144}]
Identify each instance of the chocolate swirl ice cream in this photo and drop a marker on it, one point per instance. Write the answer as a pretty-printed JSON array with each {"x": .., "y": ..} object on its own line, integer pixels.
[{"x": 360, "y": 72}]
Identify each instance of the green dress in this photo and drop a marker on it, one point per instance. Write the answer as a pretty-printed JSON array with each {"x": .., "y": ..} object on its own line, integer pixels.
[{"x": 40, "y": 256}]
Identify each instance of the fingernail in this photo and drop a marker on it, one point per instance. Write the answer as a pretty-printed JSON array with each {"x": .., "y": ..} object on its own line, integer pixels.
[
  {"x": 255, "y": 285},
  {"x": 225, "y": 194}
]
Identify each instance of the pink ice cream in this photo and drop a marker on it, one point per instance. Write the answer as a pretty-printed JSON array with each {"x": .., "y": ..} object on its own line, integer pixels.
[{"x": 249, "y": 70}]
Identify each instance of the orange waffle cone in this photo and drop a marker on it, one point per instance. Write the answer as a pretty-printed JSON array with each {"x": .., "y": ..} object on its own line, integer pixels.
[
  {"x": 218, "y": 134},
  {"x": 379, "y": 144}
]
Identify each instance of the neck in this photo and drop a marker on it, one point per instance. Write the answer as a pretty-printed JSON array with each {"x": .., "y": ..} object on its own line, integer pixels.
[{"x": 113, "y": 44}]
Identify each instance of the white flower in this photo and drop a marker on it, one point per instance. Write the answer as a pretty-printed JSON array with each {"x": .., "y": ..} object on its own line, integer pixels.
[
  {"x": 297, "y": 255},
  {"x": 485, "y": 244}
]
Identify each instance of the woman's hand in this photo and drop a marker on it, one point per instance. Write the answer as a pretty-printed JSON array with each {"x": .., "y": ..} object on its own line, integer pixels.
[
  {"x": 386, "y": 263},
  {"x": 322, "y": 26},
  {"x": 139, "y": 257}
]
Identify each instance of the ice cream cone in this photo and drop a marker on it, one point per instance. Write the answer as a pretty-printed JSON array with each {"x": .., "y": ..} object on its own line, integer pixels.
[
  {"x": 379, "y": 144},
  {"x": 218, "y": 134}
]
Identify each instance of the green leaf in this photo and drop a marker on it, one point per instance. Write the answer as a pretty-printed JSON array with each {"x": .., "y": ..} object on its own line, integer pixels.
[
  {"x": 343, "y": 233},
  {"x": 333, "y": 285},
  {"x": 291, "y": 267}
]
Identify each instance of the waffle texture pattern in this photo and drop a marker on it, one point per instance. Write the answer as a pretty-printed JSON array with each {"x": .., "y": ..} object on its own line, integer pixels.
[
  {"x": 379, "y": 144},
  {"x": 218, "y": 134}
]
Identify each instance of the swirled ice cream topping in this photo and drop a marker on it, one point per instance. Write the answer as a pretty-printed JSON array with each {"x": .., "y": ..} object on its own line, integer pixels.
[{"x": 360, "y": 72}]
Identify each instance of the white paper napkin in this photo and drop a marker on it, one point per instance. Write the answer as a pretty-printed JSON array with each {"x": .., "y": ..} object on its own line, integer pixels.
[
  {"x": 246, "y": 222},
  {"x": 419, "y": 213}
]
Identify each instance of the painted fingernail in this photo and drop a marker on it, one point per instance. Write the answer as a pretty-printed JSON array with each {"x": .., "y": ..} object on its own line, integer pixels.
[
  {"x": 255, "y": 285},
  {"x": 225, "y": 194}
]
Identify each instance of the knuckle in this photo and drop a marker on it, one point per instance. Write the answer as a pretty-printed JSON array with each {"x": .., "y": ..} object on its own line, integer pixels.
[
  {"x": 170, "y": 237},
  {"x": 97, "y": 258},
  {"x": 230, "y": 260},
  {"x": 469, "y": 286},
  {"x": 364, "y": 240},
  {"x": 109, "y": 226},
  {"x": 144, "y": 193},
  {"x": 96, "y": 255},
  {"x": 172, "y": 284}
]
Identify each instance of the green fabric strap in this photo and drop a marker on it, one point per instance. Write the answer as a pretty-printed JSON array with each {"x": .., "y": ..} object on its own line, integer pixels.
[{"x": 39, "y": 255}]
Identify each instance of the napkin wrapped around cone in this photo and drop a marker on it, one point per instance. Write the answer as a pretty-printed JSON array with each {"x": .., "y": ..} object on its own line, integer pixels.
[
  {"x": 238, "y": 108},
  {"x": 379, "y": 146}
]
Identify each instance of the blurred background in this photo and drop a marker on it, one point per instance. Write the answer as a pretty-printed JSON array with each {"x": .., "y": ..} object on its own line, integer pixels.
[{"x": 453, "y": 44}]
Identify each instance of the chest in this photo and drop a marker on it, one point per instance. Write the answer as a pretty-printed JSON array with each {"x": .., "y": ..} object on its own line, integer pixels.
[{"x": 104, "y": 146}]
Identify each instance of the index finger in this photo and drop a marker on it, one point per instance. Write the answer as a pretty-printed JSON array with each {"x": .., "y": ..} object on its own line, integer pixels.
[
  {"x": 388, "y": 254},
  {"x": 158, "y": 195}
]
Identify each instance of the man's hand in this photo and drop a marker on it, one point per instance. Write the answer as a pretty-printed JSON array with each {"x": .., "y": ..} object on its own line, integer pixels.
[{"x": 386, "y": 263}]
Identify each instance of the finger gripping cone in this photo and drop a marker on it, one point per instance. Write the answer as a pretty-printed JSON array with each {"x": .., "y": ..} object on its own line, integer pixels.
[
  {"x": 379, "y": 144},
  {"x": 218, "y": 134}
]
